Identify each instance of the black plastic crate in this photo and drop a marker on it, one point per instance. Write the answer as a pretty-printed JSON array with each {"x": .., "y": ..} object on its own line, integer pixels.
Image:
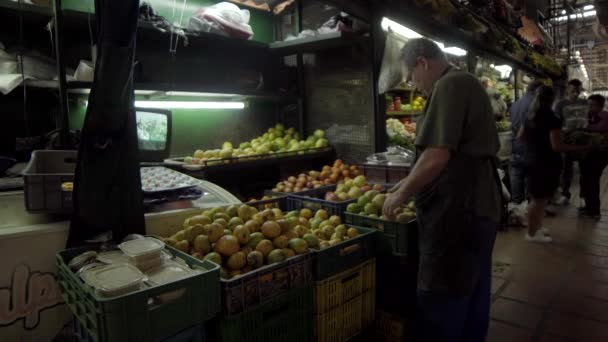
[
  {"x": 396, "y": 238},
  {"x": 313, "y": 201}
]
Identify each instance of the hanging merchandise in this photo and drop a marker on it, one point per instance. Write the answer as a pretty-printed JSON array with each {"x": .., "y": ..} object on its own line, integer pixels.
[
  {"x": 224, "y": 18},
  {"x": 390, "y": 72},
  {"x": 338, "y": 23}
]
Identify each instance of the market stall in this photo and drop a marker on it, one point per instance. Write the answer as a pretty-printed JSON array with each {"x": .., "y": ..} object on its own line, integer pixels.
[{"x": 267, "y": 144}]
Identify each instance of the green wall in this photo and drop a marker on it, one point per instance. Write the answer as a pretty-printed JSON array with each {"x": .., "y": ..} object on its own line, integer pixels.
[
  {"x": 261, "y": 22},
  {"x": 203, "y": 128}
]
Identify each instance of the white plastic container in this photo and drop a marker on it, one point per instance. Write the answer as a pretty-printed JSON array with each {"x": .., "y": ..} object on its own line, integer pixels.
[
  {"x": 114, "y": 280},
  {"x": 168, "y": 272},
  {"x": 141, "y": 250},
  {"x": 113, "y": 258}
]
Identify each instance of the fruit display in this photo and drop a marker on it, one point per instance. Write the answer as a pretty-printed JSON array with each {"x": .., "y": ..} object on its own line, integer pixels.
[
  {"x": 328, "y": 175},
  {"x": 352, "y": 189},
  {"x": 371, "y": 204},
  {"x": 277, "y": 139},
  {"x": 401, "y": 134},
  {"x": 240, "y": 238}
]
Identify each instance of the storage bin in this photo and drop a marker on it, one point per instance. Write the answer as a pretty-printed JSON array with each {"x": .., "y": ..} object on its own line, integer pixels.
[
  {"x": 43, "y": 178},
  {"x": 337, "y": 290}
]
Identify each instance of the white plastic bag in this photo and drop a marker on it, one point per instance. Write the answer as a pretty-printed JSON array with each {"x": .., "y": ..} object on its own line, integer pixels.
[
  {"x": 223, "y": 18},
  {"x": 391, "y": 72}
]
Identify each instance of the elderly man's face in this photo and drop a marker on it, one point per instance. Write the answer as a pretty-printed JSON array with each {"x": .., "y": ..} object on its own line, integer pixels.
[{"x": 419, "y": 76}]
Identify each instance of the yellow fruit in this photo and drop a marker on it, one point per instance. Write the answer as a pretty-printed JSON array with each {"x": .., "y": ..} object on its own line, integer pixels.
[
  {"x": 334, "y": 242},
  {"x": 341, "y": 229},
  {"x": 234, "y": 222},
  {"x": 216, "y": 232},
  {"x": 300, "y": 231},
  {"x": 291, "y": 234},
  {"x": 322, "y": 214},
  {"x": 201, "y": 244},
  {"x": 236, "y": 261},
  {"x": 254, "y": 239},
  {"x": 199, "y": 219},
  {"x": 232, "y": 210},
  {"x": 335, "y": 220},
  {"x": 268, "y": 215},
  {"x": 304, "y": 222},
  {"x": 255, "y": 259},
  {"x": 242, "y": 234},
  {"x": 246, "y": 212},
  {"x": 271, "y": 229},
  {"x": 300, "y": 246},
  {"x": 324, "y": 244},
  {"x": 199, "y": 154},
  {"x": 284, "y": 224},
  {"x": 170, "y": 241},
  {"x": 319, "y": 234},
  {"x": 214, "y": 257},
  {"x": 328, "y": 230},
  {"x": 227, "y": 245},
  {"x": 288, "y": 252},
  {"x": 276, "y": 256},
  {"x": 278, "y": 214},
  {"x": 183, "y": 246},
  {"x": 306, "y": 213},
  {"x": 352, "y": 232},
  {"x": 181, "y": 235},
  {"x": 222, "y": 222},
  {"x": 280, "y": 241},
  {"x": 253, "y": 226},
  {"x": 264, "y": 247},
  {"x": 246, "y": 249},
  {"x": 193, "y": 232},
  {"x": 312, "y": 241}
]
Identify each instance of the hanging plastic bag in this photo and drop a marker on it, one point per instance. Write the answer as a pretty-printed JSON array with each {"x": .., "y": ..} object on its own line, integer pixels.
[
  {"x": 223, "y": 18},
  {"x": 390, "y": 72}
]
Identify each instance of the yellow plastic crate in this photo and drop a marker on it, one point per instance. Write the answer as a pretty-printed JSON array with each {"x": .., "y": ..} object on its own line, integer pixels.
[
  {"x": 347, "y": 320},
  {"x": 390, "y": 328},
  {"x": 339, "y": 289}
]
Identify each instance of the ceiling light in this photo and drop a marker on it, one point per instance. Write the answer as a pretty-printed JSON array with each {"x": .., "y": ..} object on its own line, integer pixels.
[
  {"x": 195, "y": 94},
  {"x": 563, "y": 11},
  {"x": 411, "y": 34},
  {"x": 589, "y": 14},
  {"x": 190, "y": 104},
  {"x": 588, "y": 7}
]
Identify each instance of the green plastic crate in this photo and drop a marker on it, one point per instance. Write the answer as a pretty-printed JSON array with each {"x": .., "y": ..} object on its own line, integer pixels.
[
  {"x": 396, "y": 238},
  {"x": 286, "y": 318},
  {"x": 335, "y": 259},
  {"x": 141, "y": 315}
]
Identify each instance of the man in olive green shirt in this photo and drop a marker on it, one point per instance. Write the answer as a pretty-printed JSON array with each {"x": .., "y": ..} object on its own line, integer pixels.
[{"x": 457, "y": 194}]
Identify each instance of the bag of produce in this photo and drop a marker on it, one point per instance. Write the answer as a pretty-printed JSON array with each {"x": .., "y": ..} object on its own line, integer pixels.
[{"x": 390, "y": 72}]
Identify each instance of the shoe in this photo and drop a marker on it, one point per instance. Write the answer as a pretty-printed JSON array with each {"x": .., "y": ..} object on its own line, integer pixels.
[
  {"x": 562, "y": 200},
  {"x": 538, "y": 237},
  {"x": 545, "y": 231},
  {"x": 550, "y": 210}
]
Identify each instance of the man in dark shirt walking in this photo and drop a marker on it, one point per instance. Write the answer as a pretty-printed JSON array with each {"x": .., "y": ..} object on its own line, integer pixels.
[{"x": 457, "y": 196}]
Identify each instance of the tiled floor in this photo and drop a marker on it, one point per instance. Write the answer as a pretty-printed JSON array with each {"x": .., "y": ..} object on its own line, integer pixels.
[{"x": 554, "y": 292}]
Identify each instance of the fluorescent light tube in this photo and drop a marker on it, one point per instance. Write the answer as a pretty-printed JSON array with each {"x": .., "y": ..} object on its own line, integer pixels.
[
  {"x": 408, "y": 33},
  {"x": 588, "y": 7},
  {"x": 190, "y": 104}
]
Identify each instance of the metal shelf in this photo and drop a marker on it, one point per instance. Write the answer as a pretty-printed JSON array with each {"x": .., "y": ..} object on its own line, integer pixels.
[{"x": 320, "y": 42}]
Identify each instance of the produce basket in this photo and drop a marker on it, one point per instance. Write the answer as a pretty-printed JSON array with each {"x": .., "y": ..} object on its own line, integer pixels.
[
  {"x": 384, "y": 173},
  {"x": 147, "y": 314},
  {"x": 287, "y": 317},
  {"x": 396, "y": 238},
  {"x": 255, "y": 288},
  {"x": 43, "y": 178},
  {"x": 338, "y": 258},
  {"x": 312, "y": 200},
  {"x": 348, "y": 320},
  {"x": 279, "y": 202},
  {"x": 339, "y": 289},
  {"x": 196, "y": 333}
]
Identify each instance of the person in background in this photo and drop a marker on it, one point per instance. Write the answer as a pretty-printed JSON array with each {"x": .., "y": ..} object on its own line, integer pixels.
[
  {"x": 499, "y": 107},
  {"x": 457, "y": 195},
  {"x": 594, "y": 162},
  {"x": 572, "y": 110},
  {"x": 519, "y": 111},
  {"x": 544, "y": 141}
]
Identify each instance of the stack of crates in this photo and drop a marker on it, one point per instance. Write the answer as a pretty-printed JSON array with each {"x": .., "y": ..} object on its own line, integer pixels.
[
  {"x": 272, "y": 303},
  {"x": 345, "y": 304}
]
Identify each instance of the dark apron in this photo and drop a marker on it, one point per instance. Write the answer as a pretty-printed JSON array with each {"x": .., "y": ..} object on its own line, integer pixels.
[{"x": 447, "y": 237}]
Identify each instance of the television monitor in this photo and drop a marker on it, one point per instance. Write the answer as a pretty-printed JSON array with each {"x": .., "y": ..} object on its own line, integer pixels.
[{"x": 153, "y": 133}]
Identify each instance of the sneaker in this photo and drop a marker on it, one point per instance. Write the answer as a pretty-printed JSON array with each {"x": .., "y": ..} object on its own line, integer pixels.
[
  {"x": 562, "y": 200},
  {"x": 545, "y": 231},
  {"x": 538, "y": 237}
]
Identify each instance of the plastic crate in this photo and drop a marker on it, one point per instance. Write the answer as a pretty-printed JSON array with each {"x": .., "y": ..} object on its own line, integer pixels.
[
  {"x": 396, "y": 238},
  {"x": 196, "y": 333},
  {"x": 311, "y": 192},
  {"x": 313, "y": 201},
  {"x": 390, "y": 328},
  {"x": 384, "y": 173},
  {"x": 286, "y": 318},
  {"x": 338, "y": 258},
  {"x": 42, "y": 179},
  {"x": 339, "y": 289},
  {"x": 348, "y": 320},
  {"x": 141, "y": 315},
  {"x": 266, "y": 283},
  {"x": 279, "y": 202}
]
